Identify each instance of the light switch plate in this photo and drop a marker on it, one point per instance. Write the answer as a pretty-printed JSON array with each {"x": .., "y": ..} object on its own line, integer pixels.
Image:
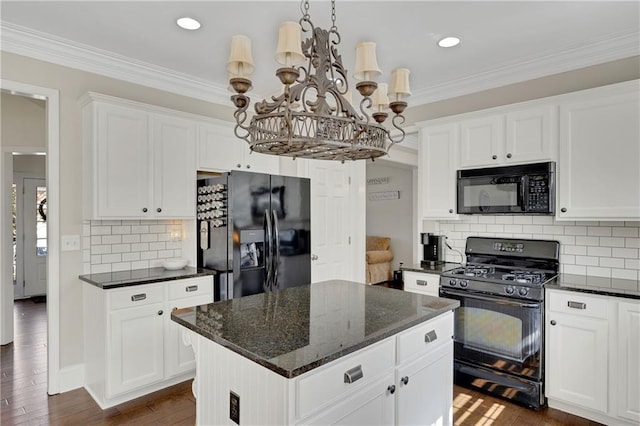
[{"x": 70, "y": 242}]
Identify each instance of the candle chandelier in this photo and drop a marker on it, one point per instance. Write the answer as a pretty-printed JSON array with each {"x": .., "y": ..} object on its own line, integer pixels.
[{"x": 313, "y": 116}]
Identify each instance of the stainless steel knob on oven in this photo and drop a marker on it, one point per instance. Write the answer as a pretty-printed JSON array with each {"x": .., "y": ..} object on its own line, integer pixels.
[
  {"x": 523, "y": 291},
  {"x": 452, "y": 282},
  {"x": 464, "y": 283},
  {"x": 510, "y": 290}
]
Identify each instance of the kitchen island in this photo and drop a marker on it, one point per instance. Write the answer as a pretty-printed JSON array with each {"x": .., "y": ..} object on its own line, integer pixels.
[{"x": 335, "y": 352}]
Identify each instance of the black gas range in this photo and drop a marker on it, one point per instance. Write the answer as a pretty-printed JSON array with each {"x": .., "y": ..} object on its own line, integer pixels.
[{"x": 498, "y": 336}]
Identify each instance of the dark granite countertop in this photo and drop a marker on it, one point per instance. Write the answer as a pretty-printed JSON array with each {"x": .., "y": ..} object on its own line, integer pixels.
[
  {"x": 298, "y": 329},
  {"x": 109, "y": 280},
  {"x": 596, "y": 285},
  {"x": 435, "y": 269}
]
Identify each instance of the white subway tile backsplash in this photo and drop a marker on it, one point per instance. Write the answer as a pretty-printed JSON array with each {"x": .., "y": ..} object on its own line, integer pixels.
[
  {"x": 158, "y": 246},
  {"x": 122, "y": 266},
  {"x": 588, "y": 241},
  {"x": 140, "y": 247},
  {"x": 112, "y": 239},
  {"x": 148, "y": 238},
  {"x": 112, "y": 258},
  {"x": 100, "y": 249},
  {"x": 597, "y": 271},
  {"x": 599, "y": 251},
  {"x": 157, "y": 229},
  {"x": 131, "y": 222},
  {"x": 603, "y": 249},
  {"x": 143, "y": 264},
  {"x": 100, "y": 230},
  {"x": 599, "y": 231},
  {"x": 627, "y": 253},
  {"x": 121, "y": 248},
  {"x": 140, "y": 229},
  {"x": 129, "y": 257},
  {"x": 121, "y": 229},
  {"x": 95, "y": 240},
  {"x": 164, "y": 254},
  {"x": 146, "y": 255},
  {"x": 99, "y": 269},
  {"x": 132, "y": 238}
]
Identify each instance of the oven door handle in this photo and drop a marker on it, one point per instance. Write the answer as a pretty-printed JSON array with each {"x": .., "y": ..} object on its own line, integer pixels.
[{"x": 498, "y": 299}]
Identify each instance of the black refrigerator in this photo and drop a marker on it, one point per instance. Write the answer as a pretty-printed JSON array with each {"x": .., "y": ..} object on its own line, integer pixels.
[{"x": 255, "y": 230}]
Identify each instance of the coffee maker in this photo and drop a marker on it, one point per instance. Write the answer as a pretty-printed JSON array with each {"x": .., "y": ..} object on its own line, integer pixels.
[{"x": 433, "y": 249}]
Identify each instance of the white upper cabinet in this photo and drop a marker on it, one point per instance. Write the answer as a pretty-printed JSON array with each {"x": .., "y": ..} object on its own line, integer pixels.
[
  {"x": 437, "y": 171},
  {"x": 220, "y": 150},
  {"x": 519, "y": 136},
  {"x": 599, "y": 164},
  {"x": 137, "y": 164},
  {"x": 481, "y": 141}
]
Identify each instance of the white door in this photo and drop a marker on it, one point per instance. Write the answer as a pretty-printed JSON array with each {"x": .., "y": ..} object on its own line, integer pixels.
[
  {"x": 34, "y": 218},
  {"x": 628, "y": 356},
  {"x": 330, "y": 214}
]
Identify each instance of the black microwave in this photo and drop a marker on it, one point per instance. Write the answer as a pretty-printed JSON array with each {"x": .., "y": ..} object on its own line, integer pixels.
[{"x": 518, "y": 189}]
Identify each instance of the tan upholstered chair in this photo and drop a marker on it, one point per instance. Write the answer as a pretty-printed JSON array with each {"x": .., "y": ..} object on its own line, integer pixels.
[{"x": 379, "y": 257}]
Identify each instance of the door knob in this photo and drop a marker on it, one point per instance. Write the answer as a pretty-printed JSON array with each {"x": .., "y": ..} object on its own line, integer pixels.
[
  {"x": 509, "y": 155},
  {"x": 405, "y": 380},
  {"x": 563, "y": 210},
  {"x": 160, "y": 312},
  {"x": 553, "y": 322},
  {"x": 158, "y": 209},
  {"x": 391, "y": 389},
  {"x": 494, "y": 157},
  {"x": 144, "y": 210}
]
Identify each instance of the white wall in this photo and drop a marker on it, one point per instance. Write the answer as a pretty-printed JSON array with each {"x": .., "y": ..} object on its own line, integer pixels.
[
  {"x": 23, "y": 121},
  {"x": 600, "y": 249},
  {"x": 392, "y": 218},
  {"x": 32, "y": 165}
]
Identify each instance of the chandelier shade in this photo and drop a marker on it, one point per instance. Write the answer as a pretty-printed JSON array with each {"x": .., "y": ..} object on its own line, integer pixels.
[{"x": 313, "y": 116}]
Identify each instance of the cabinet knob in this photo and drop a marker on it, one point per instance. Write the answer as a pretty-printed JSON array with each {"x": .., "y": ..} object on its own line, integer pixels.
[
  {"x": 563, "y": 210},
  {"x": 405, "y": 380},
  {"x": 553, "y": 322},
  {"x": 450, "y": 210},
  {"x": 248, "y": 166},
  {"x": 509, "y": 155},
  {"x": 391, "y": 389},
  {"x": 144, "y": 210},
  {"x": 160, "y": 312},
  {"x": 495, "y": 157},
  {"x": 158, "y": 209},
  {"x": 238, "y": 165},
  {"x": 314, "y": 257}
]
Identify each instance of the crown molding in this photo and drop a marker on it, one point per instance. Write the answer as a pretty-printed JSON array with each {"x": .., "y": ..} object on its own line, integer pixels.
[
  {"x": 34, "y": 44},
  {"x": 554, "y": 62},
  {"x": 28, "y": 42}
]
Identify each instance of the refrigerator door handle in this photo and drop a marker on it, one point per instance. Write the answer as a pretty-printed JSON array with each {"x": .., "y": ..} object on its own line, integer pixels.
[
  {"x": 276, "y": 251},
  {"x": 268, "y": 249}
]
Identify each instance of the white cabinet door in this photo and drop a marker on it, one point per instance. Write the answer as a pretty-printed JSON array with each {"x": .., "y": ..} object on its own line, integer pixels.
[
  {"x": 628, "y": 362},
  {"x": 372, "y": 405},
  {"x": 577, "y": 365},
  {"x": 599, "y": 161},
  {"x": 122, "y": 161},
  {"x": 437, "y": 168},
  {"x": 531, "y": 135},
  {"x": 220, "y": 150},
  {"x": 420, "y": 282},
  {"x": 217, "y": 149},
  {"x": 174, "y": 168},
  {"x": 482, "y": 141},
  {"x": 135, "y": 349},
  {"x": 425, "y": 390}
]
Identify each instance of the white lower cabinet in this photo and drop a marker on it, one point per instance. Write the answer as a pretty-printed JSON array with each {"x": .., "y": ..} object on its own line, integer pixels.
[
  {"x": 628, "y": 374},
  {"x": 421, "y": 282},
  {"x": 592, "y": 350},
  {"x": 131, "y": 345}
]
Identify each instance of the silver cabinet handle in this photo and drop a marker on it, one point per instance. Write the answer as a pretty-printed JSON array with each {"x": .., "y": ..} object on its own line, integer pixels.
[
  {"x": 430, "y": 336},
  {"x": 391, "y": 389},
  {"x": 144, "y": 210},
  {"x": 576, "y": 305},
  {"x": 314, "y": 257},
  {"x": 191, "y": 288},
  {"x": 160, "y": 312},
  {"x": 553, "y": 322},
  {"x": 158, "y": 209},
  {"x": 238, "y": 165},
  {"x": 494, "y": 157},
  {"x": 138, "y": 297},
  {"x": 450, "y": 210},
  {"x": 509, "y": 155},
  {"x": 353, "y": 374},
  {"x": 405, "y": 380},
  {"x": 563, "y": 210},
  {"x": 421, "y": 282},
  {"x": 248, "y": 166}
]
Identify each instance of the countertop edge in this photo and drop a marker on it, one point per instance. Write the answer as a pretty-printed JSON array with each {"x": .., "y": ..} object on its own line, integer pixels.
[
  {"x": 290, "y": 374},
  {"x": 596, "y": 291},
  {"x": 192, "y": 273}
]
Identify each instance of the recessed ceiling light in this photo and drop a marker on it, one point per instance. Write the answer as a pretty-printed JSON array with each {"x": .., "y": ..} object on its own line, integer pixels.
[
  {"x": 448, "y": 42},
  {"x": 188, "y": 23}
]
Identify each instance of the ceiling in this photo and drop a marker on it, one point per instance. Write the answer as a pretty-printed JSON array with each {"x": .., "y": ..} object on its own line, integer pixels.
[{"x": 503, "y": 42}]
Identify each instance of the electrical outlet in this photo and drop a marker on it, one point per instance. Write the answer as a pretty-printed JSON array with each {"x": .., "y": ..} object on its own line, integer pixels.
[
  {"x": 234, "y": 407},
  {"x": 70, "y": 242}
]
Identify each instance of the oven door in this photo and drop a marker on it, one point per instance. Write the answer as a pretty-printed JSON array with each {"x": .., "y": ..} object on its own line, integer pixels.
[
  {"x": 491, "y": 194},
  {"x": 498, "y": 333}
]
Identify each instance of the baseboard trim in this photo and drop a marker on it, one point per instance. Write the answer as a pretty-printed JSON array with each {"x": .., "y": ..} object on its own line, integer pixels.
[
  {"x": 71, "y": 377},
  {"x": 588, "y": 414}
]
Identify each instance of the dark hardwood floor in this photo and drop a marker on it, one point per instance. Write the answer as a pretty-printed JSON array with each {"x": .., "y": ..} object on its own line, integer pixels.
[{"x": 24, "y": 399}]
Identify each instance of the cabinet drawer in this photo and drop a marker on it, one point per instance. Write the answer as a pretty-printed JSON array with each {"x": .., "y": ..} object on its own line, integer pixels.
[
  {"x": 328, "y": 384},
  {"x": 191, "y": 287},
  {"x": 418, "y": 282},
  {"x": 136, "y": 296},
  {"x": 425, "y": 337},
  {"x": 578, "y": 304}
]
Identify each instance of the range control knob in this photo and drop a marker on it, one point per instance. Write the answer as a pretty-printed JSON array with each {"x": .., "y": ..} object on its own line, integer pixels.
[
  {"x": 452, "y": 282},
  {"x": 464, "y": 283},
  {"x": 510, "y": 290},
  {"x": 523, "y": 291}
]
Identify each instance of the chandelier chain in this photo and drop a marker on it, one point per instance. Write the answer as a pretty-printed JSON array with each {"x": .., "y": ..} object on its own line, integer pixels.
[
  {"x": 304, "y": 8},
  {"x": 334, "y": 28}
]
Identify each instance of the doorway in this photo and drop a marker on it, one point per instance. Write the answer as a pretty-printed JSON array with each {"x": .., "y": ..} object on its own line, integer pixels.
[{"x": 51, "y": 100}]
